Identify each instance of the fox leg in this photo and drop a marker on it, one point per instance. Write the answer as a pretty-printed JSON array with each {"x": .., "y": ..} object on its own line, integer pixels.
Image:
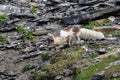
[
  {"x": 69, "y": 41},
  {"x": 77, "y": 38}
]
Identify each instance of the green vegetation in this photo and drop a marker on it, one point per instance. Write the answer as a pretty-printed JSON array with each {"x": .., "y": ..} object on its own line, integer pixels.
[
  {"x": 118, "y": 78},
  {"x": 20, "y": 28},
  {"x": 110, "y": 48},
  {"x": 29, "y": 35},
  {"x": 33, "y": 10},
  {"x": 93, "y": 24},
  {"x": 26, "y": 67},
  {"x": 87, "y": 73},
  {"x": 112, "y": 70},
  {"x": 46, "y": 67},
  {"x": 45, "y": 55},
  {"x": 3, "y": 18},
  {"x": 39, "y": 75},
  {"x": 115, "y": 33},
  {"x": 3, "y": 38},
  {"x": 62, "y": 61},
  {"x": 98, "y": 46},
  {"x": 72, "y": 49},
  {"x": 94, "y": 55}
]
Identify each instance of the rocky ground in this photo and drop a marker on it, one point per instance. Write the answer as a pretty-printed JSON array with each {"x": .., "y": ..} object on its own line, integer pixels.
[{"x": 25, "y": 55}]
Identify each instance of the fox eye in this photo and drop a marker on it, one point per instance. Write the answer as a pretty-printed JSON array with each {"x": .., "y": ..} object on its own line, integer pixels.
[{"x": 50, "y": 39}]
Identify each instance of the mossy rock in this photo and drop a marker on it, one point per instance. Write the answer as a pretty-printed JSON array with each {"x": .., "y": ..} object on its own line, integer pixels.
[
  {"x": 39, "y": 75},
  {"x": 95, "y": 68}
]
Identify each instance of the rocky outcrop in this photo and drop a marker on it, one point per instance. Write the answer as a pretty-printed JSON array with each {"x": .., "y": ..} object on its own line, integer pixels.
[
  {"x": 23, "y": 36},
  {"x": 113, "y": 74}
]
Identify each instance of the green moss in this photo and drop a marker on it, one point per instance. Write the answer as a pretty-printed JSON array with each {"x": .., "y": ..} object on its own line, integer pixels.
[
  {"x": 3, "y": 18},
  {"x": 62, "y": 61},
  {"x": 118, "y": 78},
  {"x": 46, "y": 67},
  {"x": 115, "y": 33},
  {"x": 26, "y": 67},
  {"x": 112, "y": 70},
  {"x": 29, "y": 35},
  {"x": 20, "y": 28},
  {"x": 3, "y": 38},
  {"x": 110, "y": 48},
  {"x": 55, "y": 59},
  {"x": 45, "y": 54},
  {"x": 94, "y": 55},
  {"x": 98, "y": 46},
  {"x": 39, "y": 75},
  {"x": 85, "y": 60},
  {"x": 86, "y": 74},
  {"x": 71, "y": 49},
  {"x": 33, "y": 10},
  {"x": 93, "y": 24}
]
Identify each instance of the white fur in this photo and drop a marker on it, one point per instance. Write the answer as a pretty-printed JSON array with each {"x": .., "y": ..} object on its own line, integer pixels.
[
  {"x": 57, "y": 40},
  {"x": 90, "y": 34},
  {"x": 63, "y": 33}
]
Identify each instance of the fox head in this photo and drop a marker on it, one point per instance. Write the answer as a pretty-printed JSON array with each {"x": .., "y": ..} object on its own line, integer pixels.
[{"x": 50, "y": 38}]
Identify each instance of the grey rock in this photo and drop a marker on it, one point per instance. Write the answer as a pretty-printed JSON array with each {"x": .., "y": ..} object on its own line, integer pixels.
[
  {"x": 100, "y": 75},
  {"x": 97, "y": 77},
  {"x": 67, "y": 72},
  {"x": 59, "y": 77},
  {"x": 9, "y": 9},
  {"x": 101, "y": 51},
  {"x": 39, "y": 32},
  {"x": 29, "y": 50},
  {"x": 28, "y": 56}
]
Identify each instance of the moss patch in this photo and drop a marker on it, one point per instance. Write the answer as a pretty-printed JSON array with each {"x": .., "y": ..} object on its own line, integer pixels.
[
  {"x": 3, "y": 38},
  {"x": 62, "y": 61},
  {"x": 111, "y": 70},
  {"x": 39, "y": 75},
  {"x": 86, "y": 74},
  {"x": 33, "y": 10},
  {"x": 93, "y": 24},
  {"x": 29, "y": 35},
  {"x": 45, "y": 55},
  {"x": 26, "y": 67},
  {"x": 20, "y": 28},
  {"x": 3, "y": 18},
  {"x": 118, "y": 78},
  {"x": 113, "y": 34}
]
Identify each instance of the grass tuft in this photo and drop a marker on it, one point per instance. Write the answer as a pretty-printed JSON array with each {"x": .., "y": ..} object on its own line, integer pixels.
[
  {"x": 39, "y": 75},
  {"x": 87, "y": 73},
  {"x": 45, "y": 55},
  {"x": 3, "y": 38},
  {"x": 94, "y": 55},
  {"x": 29, "y": 35},
  {"x": 93, "y": 24},
  {"x": 111, "y": 70},
  {"x": 62, "y": 61},
  {"x": 33, "y": 10},
  {"x": 20, "y": 28},
  {"x": 26, "y": 67},
  {"x": 3, "y": 18}
]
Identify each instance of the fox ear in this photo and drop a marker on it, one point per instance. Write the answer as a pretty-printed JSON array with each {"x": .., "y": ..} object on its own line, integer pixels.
[{"x": 50, "y": 35}]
